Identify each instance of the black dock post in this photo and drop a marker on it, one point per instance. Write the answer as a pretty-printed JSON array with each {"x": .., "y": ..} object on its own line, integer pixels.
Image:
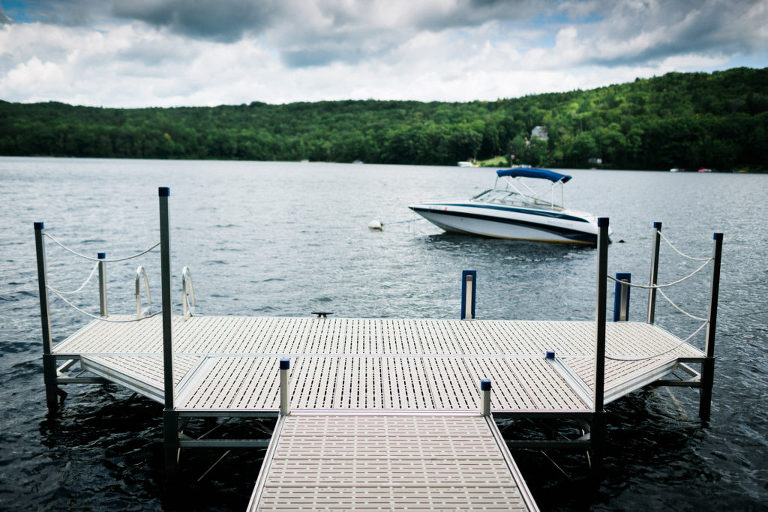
[
  {"x": 708, "y": 366},
  {"x": 597, "y": 435},
  {"x": 102, "y": 283},
  {"x": 170, "y": 419},
  {"x": 654, "y": 272},
  {"x": 49, "y": 360}
]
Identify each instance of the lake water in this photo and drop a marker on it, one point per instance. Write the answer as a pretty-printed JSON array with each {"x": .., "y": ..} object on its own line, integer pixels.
[{"x": 289, "y": 238}]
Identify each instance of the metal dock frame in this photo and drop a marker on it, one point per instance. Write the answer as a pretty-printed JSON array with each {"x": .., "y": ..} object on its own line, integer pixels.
[
  {"x": 704, "y": 380},
  {"x": 589, "y": 412}
]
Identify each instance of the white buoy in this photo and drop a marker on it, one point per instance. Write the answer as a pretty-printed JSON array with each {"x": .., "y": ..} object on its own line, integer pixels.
[{"x": 375, "y": 224}]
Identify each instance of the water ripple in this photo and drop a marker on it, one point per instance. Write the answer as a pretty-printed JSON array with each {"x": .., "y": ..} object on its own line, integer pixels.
[{"x": 261, "y": 252}]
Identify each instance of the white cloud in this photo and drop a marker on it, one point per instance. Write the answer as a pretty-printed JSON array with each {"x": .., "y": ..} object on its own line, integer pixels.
[
  {"x": 27, "y": 74},
  {"x": 453, "y": 50}
]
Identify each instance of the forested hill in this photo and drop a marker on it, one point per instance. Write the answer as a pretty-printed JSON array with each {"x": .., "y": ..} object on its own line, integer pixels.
[{"x": 689, "y": 120}]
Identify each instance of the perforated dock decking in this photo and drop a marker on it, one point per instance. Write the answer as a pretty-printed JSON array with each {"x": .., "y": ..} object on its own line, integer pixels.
[
  {"x": 408, "y": 461},
  {"x": 385, "y": 413},
  {"x": 231, "y": 363}
]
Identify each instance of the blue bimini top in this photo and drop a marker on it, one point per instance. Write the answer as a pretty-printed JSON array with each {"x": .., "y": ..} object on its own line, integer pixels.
[{"x": 530, "y": 172}]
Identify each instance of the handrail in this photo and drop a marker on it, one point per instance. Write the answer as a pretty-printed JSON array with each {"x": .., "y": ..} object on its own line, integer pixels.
[
  {"x": 140, "y": 272},
  {"x": 678, "y": 251},
  {"x": 113, "y": 260},
  {"x": 188, "y": 299},
  {"x": 87, "y": 280},
  {"x": 666, "y": 285}
]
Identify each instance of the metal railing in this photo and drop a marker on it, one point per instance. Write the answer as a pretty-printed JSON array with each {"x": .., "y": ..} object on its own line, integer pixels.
[{"x": 188, "y": 299}]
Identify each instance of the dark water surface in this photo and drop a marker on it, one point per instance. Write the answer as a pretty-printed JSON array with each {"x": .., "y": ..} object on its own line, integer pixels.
[{"x": 286, "y": 239}]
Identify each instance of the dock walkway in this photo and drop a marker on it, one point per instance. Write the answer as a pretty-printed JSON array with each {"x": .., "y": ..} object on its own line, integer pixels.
[
  {"x": 231, "y": 363},
  {"x": 409, "y": 461},
  {"x": 384, "y": 412}
]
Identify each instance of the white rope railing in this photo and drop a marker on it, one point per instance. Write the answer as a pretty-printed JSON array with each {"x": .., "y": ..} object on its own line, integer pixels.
[
  {"x": 101, "y": 318},
  {"x": 91, "y": 258},
  {"x": 678, "y": 251},
  {"x": 700, "y": 319},
  {"x": 87, "y": 279},
  {"x": 644, "y": 358},
  {"x": 659, "y": 286}
]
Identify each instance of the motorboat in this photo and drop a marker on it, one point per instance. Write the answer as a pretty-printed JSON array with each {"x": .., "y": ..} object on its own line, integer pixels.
[{"x": 513, "y": 209}]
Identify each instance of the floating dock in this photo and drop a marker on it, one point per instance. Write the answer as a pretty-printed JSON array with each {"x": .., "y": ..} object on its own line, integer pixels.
[
  {"x": 379, "y": 414},
  {"x": 232, "y": 363},
  {"x": 382, "y": 411}
]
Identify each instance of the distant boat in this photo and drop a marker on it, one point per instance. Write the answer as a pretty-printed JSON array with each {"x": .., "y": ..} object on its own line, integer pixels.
[
  {"x": 514, "y": 211},
  {"x": 675, "y": 169},
  {"x": 466, "y": 164},
  {"x": 704, "y": 169}
]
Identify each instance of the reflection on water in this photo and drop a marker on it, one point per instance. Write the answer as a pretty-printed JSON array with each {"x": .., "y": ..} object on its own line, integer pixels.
[{"x": 498, "y": 249}]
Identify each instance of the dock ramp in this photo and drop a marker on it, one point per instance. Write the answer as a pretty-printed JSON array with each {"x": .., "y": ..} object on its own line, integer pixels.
[{"x": 389, "y": 461}]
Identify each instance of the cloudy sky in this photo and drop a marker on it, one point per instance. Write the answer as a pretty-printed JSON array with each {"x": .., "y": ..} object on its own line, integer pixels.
[{"x": 130, "y": 53}]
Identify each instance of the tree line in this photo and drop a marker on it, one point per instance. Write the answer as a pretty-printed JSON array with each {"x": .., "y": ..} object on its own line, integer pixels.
[{"x": 686, "y": 120}]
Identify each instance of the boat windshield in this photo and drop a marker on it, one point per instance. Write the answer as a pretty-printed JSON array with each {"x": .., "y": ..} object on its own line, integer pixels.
[{"x": 512, "y": 196}]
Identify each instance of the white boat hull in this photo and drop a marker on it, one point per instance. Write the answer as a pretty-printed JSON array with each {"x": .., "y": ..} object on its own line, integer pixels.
[{"x": 511, "y": 223}]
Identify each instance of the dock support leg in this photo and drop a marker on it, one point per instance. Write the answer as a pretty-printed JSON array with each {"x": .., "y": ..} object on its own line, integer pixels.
[
  {"x": 170, "y": 442},
  {"x": 597, "y": 440},
  {"x": 170, "y": 419},
  {"x": 49, "y": 360},
  {"x": 468, "y": 294},
  {"x": 708, "y": 366},
  {"x": 597, "y": 435},
  {"x": 654, "y": 272}
]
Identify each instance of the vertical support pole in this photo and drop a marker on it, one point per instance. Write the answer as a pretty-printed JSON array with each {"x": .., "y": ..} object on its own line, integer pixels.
[
  {"x": 597, "y": 434},
  {"x": 485, "y": 389},
  {"x": 654, "y": 272},
  {"x": 285, "y": 405},
  {"x": 708, "y": 366},
  {"x": 621, "y": 297},
  {"x": 49, "y": 360},
  {"x": 602, "y": 274},
  {"x": 170, "y": 419},
  {"x": 468, "y": 293},
  {"x": 102, "y": 283}
]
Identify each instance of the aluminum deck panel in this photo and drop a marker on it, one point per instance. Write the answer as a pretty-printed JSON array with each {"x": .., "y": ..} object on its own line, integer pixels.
[
  {"x": 230, "y": 363},
  {"x": 380, "y": 382},
  {"x": 142, "y": 374},
  {"x": 202, "y": 335},
  {"x": 389, "y": 462}
]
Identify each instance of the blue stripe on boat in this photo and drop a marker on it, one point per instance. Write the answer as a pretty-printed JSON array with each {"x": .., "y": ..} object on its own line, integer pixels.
[{"x": 553, "y": 215}]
